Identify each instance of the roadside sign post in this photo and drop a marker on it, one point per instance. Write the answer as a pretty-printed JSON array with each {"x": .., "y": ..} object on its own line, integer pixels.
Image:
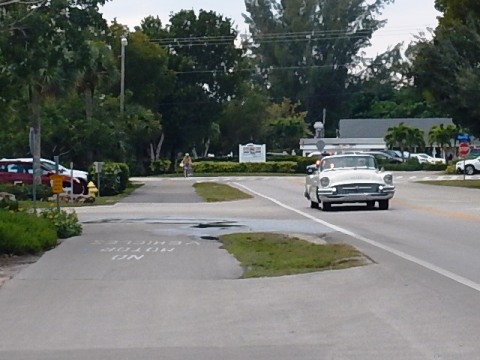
[
  {"x": 57, "y": 187},
  {"x": 98, "y": 169},
  {"x": 56, "y": 158}
]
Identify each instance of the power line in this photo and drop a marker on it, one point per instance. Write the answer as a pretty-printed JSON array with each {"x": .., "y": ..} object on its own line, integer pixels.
[
  {"x": 280, "y": 37},
  {"x": 274, "y": 68}
]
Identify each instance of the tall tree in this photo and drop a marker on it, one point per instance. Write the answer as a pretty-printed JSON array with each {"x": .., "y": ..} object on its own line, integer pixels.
[
  {"x": 244, "y": 119},
  {"x": 446, "y": 68},
  {"x": 306, "y": 48},
  {"x": 97, "y": 67},
  {"x": 41, "y": 54},
  {"x": 208, "y": 66},
  {"x": 285, "y": 126}
]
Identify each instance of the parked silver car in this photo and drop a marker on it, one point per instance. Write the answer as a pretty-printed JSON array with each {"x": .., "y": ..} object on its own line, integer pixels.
[{"x": 348, "y": 178}]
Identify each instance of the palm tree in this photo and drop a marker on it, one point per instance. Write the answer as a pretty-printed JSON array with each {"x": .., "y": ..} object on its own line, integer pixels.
[
  {"x": 98, "y": 68},
  {"x": 403, "y": 136},
  {"x": 443, "y": 136},
  {"x": 415, "y": 138}
]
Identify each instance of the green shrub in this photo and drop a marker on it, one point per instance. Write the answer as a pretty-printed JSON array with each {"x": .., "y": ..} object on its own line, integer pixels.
[
  {"x": 110, "y": 179},
  {"x": 303, "y": 162},
  {"x": 451, "y": 169},
  {"x": 161, "y": 166},
  {"x": 22, "y": 233},
  {"x": 66, "y": 222},
  {"x": 11, "y": 205},
  {"x": 124, "y": 175},
  {"x": 25, "y": 192},
  {"x": 434, "y": 167}
]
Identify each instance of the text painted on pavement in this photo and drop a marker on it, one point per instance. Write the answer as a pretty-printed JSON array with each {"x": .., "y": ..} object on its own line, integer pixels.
[{"x": 138, "y": 249}]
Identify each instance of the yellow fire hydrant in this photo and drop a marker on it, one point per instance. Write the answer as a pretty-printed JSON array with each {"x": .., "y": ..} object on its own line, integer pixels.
[{"x": 92, "y": 189}]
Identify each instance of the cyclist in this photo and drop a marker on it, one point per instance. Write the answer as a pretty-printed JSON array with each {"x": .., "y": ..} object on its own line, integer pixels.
[{"x": 187, "y": 165}]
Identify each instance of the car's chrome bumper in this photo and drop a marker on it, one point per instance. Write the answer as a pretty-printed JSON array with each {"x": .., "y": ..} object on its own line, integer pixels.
[{"x": 355, "y": 194}]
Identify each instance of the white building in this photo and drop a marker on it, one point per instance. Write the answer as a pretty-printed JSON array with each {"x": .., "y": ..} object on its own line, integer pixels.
[{"x": 365, "y": 134}]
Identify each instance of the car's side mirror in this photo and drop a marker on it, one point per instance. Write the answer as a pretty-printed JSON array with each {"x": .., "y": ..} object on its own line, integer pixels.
[{"x": 311, "y": 170}]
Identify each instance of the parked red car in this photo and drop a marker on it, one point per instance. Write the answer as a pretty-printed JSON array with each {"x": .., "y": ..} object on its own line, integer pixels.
[{"x": 21, "y": 172}]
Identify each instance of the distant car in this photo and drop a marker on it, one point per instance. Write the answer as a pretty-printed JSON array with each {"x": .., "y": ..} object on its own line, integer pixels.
[
  {"x": 21, "y": 172},
  {"x": 469, "y": 166},
  {"x": 380, "y": 155},
  {"x": 397, "y": 154},
  {"x": 425, "y": 158},
  {"x": 348, "y": 178},
  {"x": 62, "y": 170}
]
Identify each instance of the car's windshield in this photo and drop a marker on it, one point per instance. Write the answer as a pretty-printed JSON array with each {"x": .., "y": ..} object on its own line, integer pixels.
[
  {"x": 51, "y": 166},
  {"x": 343, "y": 162},
  {"x": 48, "y": 165}
]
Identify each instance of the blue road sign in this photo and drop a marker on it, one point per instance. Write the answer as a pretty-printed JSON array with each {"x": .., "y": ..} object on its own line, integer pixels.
[{"x": 463, "y": 138}]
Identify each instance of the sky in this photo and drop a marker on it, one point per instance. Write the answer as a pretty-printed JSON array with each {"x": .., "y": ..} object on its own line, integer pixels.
[{"x": 405, "y": 17}]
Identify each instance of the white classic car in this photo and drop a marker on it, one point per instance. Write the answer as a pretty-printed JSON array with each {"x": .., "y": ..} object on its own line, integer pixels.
[
  {"x": 469, "y": 166},
  {"x": 352, "y": 178}
]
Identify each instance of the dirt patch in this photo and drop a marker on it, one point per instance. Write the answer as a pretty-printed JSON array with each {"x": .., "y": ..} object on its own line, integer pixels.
[{"x": 12, "y": 265}]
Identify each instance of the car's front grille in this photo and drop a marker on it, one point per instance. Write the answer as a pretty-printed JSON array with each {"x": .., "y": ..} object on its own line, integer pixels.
[{"x": 357, "y": 189}]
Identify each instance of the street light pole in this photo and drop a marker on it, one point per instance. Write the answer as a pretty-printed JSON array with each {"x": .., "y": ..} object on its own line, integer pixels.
[{"x": 124, "y": 42}]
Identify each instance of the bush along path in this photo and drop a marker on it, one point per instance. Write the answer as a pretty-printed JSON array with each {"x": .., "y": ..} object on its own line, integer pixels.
[{"x": 25, "y": 233}]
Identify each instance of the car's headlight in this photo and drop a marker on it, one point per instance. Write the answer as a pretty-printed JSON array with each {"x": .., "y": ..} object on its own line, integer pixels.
[
  {"x": 325, "y": 181},
  {"x": 388, "y": 179}
]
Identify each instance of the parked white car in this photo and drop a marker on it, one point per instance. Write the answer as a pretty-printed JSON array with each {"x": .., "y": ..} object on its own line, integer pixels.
[
  {"x": 348, "y": 178},
  {"x": 469, "y": 166},
  {"x": 425, "y": 158}
]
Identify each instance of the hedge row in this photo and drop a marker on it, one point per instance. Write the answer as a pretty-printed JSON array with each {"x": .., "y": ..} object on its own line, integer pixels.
[
  {"x": 298, "y": 166},
  {"x": 277, "y": 164},
  {"x": 284, "y": 167}
]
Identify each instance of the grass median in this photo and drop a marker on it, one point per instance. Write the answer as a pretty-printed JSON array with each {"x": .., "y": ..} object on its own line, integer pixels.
[
  {"x": 472, "y": 184},
  {"x": 214, "y": 192},
  {"x": 273, "y": 254}
]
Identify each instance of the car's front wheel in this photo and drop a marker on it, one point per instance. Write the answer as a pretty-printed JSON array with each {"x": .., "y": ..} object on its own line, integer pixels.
[
  {"x": 383, "y": 204},
  {"x": 326, "y": 206},
  {"x": 314, "y": 205},
  {"x": 469, "y": 170},
  {"x": 370, "y": 204}
]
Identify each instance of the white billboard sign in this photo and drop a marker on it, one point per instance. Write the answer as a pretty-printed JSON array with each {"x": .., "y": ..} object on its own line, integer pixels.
[{"x": 252, "y": 153}]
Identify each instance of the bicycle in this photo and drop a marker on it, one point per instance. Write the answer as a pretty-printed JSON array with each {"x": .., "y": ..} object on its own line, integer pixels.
[{"x": 187, "y": 170}]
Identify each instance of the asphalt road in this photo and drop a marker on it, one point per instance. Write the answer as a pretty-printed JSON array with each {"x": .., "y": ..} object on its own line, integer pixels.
[{"x": 147, "y": 280}]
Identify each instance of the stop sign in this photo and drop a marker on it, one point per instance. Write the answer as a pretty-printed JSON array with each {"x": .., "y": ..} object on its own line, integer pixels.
[{"x": 464, "y": 149}]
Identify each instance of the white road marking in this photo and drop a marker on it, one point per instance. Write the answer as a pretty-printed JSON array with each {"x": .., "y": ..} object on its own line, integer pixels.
[{"x": 459, "y": 279}]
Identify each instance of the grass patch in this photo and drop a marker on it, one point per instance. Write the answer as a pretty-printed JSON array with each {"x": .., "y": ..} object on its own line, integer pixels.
[
  {"x": 214, "y": 192},
  {"x": 473, "y": 184},
  {"x": 270, "y": 254}
]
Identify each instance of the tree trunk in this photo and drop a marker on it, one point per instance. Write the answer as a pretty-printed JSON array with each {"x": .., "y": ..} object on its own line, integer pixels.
[
  {"x": 159, "y": 146},
  {"x": 152, "y": 153},
  {"x": 206, "y": 147},
  {"x": 88, "y": 104},
  {"x": 88, "y": 94},
  {"x": 36, "y": 135},
  {"x": 156, "y": 148}
]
